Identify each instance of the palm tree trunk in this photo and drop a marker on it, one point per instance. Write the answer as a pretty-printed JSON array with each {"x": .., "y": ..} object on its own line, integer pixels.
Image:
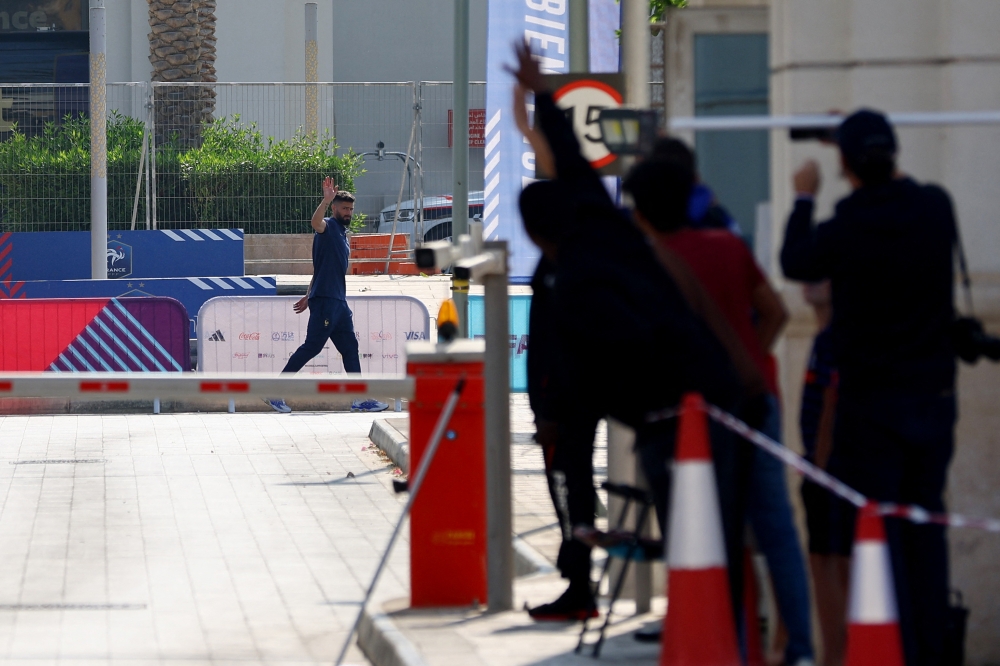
[{"x": 182, "y": 49}]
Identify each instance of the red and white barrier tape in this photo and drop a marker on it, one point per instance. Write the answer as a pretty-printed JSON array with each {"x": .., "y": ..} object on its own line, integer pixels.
[{"x": 912, "y": 513}]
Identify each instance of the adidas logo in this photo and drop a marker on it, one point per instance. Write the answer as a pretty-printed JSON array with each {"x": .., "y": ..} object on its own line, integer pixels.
[{"x": 217, "y": 337}]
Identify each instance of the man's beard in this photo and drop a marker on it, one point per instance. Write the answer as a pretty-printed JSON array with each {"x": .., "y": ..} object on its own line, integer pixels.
[{"x": 344, "y": 221}]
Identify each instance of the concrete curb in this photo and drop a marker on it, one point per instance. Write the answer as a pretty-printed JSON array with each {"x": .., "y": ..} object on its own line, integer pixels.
[
  {"x": 378, "y": 636},
  {"x": 392, "y": 442},
  {"x": 384, "y": 644}
]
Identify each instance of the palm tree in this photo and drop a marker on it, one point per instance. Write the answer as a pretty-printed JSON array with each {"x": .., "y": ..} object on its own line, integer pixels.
[{"x": 182, "y": 49}]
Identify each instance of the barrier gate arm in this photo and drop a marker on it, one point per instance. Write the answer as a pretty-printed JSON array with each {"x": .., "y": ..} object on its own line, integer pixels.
[{"x": 150, "y": 386}]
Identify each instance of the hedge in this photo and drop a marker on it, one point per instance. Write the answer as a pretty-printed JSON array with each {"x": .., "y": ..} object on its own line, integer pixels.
[{"x": 235, "y": 178}]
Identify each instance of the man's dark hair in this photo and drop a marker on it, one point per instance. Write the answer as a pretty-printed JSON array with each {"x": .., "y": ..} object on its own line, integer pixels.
[
  {"x": 344, "y": 196},
  {"x": 675, "y": 150},
  {"x": 544, "y": 204},
  {"x": 661, "y": 190},
  {"x": 868, "y": 144}
]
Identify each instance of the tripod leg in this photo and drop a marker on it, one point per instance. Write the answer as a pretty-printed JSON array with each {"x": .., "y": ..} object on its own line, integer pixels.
[
  {"x": 604, "y": 572},
  {"x": 632, "y": 549}
]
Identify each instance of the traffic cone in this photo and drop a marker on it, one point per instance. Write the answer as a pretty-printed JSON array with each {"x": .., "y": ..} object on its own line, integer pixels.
[
  {"x": 873, "y": 637},
  {"x": 698, "y": 629}
]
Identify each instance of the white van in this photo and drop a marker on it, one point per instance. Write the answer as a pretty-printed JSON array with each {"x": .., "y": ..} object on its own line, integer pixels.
[{"x": 437, "y": 218}]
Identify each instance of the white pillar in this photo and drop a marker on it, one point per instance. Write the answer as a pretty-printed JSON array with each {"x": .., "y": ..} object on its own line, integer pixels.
[
  {"x": 312, "y": 68},
  {"x": 98, "y": 143}
]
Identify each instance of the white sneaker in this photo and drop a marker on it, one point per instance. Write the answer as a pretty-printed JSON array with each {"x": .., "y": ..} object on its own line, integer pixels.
[
  {"x": 368, "y": 406},
  {"x": 278, "y": 405}
]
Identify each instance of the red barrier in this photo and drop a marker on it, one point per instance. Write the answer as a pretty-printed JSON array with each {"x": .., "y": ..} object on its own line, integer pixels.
[
  {"x": 94, "y": 335},
  {"x": 448, "y": 522}
]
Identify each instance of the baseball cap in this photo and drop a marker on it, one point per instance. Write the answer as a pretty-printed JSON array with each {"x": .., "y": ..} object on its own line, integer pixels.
[{"x": 865, "y": 131}]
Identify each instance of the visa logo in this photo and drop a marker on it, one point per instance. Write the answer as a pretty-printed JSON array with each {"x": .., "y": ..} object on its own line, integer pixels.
[{"x": 416, "y": 335}]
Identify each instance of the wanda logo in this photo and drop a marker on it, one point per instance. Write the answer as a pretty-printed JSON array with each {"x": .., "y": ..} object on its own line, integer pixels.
[{"x": 250, "y": 336}]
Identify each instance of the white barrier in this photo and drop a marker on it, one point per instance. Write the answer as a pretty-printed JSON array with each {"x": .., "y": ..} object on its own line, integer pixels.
[
  {"x": 147, "y": 386},
  {"x": 260, "y": 333}
]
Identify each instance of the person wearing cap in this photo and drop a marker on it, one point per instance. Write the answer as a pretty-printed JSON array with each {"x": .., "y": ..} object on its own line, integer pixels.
[{"x": 887, "y": 252}]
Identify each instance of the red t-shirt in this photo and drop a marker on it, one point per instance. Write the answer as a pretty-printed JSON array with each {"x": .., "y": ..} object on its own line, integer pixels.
[{"x": 729, "y": 273}]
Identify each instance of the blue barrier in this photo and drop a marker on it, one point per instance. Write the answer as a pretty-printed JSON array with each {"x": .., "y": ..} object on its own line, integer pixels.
[
  {"x": 165, "y": 253},
  {"x": 518, "y": 310},
  {"x": 191, "y": 292}
]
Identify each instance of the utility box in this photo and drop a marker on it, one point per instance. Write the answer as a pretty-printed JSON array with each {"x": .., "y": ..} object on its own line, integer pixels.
[{"x": 448, "y": 519}]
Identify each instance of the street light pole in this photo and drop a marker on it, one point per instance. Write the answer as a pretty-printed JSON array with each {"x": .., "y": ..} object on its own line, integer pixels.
[
  {"x": 460, "y": 155},
  {"x": 579, "y": 36},
  {"x": 635, "y": 51},
  {"x": 98, "y": 142}
]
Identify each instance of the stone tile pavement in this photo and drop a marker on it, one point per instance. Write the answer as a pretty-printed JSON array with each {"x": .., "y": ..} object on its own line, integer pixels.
[
  {"x": 467, "y": 637},
  {"x": 194, "y": 538}
]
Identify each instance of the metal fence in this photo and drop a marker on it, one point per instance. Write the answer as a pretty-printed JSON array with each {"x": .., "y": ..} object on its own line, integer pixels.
[
  {"x": 45, "y": 156},
  {"x": 240, "y": 155}
]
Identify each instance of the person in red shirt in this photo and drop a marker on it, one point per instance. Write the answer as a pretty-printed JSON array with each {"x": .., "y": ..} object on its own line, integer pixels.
[{"x": 735, "y": 283}]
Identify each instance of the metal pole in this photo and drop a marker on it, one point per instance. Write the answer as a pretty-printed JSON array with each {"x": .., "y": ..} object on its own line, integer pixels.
[
  {"x": 152, "y": 154},
  {"x": 148, "y": 130},
  {"x": 635, "y": 51},
  {"x": 418, "y": 202},
  {"x": 312, "y": 68},
  {"x": 98, "y": 143},
  {"x": 579, "y": 36},
  {"x": 414, "y": 487},
  {"x": 460, "y": 154},
  {"x": 499, "y": 524}
]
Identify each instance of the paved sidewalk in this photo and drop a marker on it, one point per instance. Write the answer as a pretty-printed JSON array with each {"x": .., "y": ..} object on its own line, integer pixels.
[
  {"x": 468, "y": 637},
  {"x": 194, "y": 538}
]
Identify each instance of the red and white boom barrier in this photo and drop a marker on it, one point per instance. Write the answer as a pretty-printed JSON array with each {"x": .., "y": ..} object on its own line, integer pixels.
[{"x": 149, "y": 386}]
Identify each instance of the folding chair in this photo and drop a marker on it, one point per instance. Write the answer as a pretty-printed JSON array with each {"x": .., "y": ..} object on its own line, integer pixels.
[{"x": 619, "y": 544}]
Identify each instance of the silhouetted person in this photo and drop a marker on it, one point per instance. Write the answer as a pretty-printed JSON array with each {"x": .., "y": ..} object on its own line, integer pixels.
[{"x": 887, "y": 252}]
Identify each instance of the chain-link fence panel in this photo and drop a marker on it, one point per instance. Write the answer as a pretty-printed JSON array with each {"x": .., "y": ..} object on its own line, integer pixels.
[
  {"x": 45, "y": 156},
  {"x": 435, "y": 149},
  {"x": 254, "y": 155}
]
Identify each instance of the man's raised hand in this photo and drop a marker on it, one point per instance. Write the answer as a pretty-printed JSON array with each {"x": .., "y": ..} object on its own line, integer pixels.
[
  {"x": 329, "y": 189},
  {"x": 528, "y": 73}
]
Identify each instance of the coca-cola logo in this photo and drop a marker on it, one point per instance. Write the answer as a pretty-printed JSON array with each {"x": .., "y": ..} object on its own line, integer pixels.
[{"x": 250, "y": 336}]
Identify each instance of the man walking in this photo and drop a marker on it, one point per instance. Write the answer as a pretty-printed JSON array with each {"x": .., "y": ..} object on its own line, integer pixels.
[
  {"x": 888, "y": 255},
  {"x": 326, "y": 299}
]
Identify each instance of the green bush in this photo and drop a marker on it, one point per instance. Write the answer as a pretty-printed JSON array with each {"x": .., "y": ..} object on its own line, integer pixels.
[
  {"x": 239, "y": 176},
  {"x": 236, "y": 178},
  {"x": 45, "y": 179}
]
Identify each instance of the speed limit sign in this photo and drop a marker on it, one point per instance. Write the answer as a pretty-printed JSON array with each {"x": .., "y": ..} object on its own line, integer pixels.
[{"x": 583, "y": 97}]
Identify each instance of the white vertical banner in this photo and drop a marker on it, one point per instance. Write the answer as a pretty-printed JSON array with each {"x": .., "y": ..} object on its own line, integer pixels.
[{"x": 509, "y": 160}]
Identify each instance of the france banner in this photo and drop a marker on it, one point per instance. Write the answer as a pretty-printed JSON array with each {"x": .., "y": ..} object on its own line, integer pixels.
[{"x": 509, "y": 160}]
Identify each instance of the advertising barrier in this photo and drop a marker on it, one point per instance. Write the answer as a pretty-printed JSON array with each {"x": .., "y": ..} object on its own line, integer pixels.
[
  {"x": 520, "y": 306},
  {"x": 94, "y": 335},
  {"x": 165, "y": 253},
  {"x": 192, "y": 292},
  {"x": 252, "y": 334}
]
